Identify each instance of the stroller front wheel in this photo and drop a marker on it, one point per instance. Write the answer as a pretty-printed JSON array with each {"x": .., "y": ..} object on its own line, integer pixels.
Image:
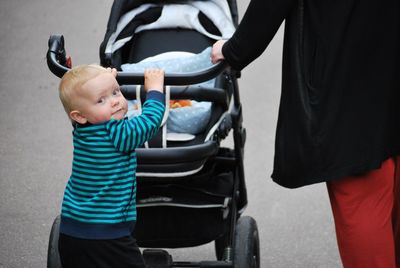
[{"x": 247, "y": 244}]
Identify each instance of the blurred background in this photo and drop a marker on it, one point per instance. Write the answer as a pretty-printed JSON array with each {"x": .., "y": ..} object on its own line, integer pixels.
[{"x": 295, "y": 226}]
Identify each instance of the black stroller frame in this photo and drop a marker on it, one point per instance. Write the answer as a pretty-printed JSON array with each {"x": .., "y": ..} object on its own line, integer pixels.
[{"x": 236, "y": 237}]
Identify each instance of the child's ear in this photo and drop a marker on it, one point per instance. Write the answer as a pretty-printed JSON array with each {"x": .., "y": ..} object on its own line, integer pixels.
[{"x": 77, "y": 116}]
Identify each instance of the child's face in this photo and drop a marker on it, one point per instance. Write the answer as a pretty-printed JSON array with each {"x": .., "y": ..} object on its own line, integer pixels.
[{"x": 100, "y": 100}]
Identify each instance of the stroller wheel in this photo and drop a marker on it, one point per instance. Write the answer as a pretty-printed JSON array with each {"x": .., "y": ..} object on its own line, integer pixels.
[
  {"x": 53, "y": 257},
  {"x": 247, "y": 244}
]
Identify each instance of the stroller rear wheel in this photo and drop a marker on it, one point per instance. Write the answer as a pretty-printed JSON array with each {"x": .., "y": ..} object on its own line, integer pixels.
[
  {"x": 247, "y": 244},
  {"x": 53, "y": 257}
]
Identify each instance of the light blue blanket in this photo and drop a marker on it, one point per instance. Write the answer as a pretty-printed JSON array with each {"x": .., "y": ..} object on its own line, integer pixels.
[{"x": 175, "y": 62}]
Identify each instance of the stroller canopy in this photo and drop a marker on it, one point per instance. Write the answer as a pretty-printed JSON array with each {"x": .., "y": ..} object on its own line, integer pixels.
[{"x": 211, "y": 18}]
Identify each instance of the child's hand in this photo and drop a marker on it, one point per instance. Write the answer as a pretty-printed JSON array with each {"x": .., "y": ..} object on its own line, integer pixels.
[
  {"x": 154, "y": 79},
  {"x": 113, "y": 71}
]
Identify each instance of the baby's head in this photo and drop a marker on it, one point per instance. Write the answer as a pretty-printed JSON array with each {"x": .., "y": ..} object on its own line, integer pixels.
[{"x": 90, "y": 93}]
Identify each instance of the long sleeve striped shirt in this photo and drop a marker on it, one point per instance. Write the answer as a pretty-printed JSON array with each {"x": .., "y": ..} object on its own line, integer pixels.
[{"x": 99, "y": 198}]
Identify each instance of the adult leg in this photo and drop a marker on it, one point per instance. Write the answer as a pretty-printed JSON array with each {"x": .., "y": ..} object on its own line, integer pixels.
[
  {"x": 362, "y": 209},
  {"x": 396, "y": 212}
]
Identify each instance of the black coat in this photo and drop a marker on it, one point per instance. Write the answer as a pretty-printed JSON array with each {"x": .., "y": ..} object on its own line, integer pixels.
[{"x": 339, "y": 113}]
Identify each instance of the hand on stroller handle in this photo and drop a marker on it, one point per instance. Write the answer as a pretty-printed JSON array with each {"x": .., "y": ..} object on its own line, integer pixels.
[{"x": 56, "y": 59}]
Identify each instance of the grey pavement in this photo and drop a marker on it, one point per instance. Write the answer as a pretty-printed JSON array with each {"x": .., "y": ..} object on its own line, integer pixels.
[{"x": 295, "y": 226}]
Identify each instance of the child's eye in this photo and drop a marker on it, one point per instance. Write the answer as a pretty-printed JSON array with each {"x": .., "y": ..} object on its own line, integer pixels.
[
  {"x": 116, "y": 92},
  {"x": 101, "y": 100}
]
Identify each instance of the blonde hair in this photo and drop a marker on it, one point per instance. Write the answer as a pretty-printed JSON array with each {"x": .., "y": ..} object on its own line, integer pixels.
[{"x": 73, "y": 80}]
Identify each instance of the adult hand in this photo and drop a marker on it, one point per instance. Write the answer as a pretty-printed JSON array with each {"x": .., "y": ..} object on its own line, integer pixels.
[{"x": 216, "y": 52}]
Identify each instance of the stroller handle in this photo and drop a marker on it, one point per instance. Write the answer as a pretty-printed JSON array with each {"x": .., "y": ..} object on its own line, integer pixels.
[{"x": 57, "y": 62}]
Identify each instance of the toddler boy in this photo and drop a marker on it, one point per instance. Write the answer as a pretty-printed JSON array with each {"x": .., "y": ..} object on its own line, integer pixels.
[{"x": 99, "y": 208}]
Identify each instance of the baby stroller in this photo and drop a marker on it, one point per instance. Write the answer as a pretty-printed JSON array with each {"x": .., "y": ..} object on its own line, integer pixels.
[{"x": 190, "y": 191}]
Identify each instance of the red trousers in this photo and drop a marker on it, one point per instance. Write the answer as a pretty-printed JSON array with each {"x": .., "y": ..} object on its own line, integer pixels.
[{"x": 366, "y": 210}]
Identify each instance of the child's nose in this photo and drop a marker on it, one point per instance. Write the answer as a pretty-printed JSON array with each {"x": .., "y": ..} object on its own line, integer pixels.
[{"x": 115, "y": 101}]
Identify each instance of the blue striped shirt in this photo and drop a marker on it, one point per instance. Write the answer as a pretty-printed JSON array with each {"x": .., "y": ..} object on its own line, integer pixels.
[{"x": 99, "y": 198}]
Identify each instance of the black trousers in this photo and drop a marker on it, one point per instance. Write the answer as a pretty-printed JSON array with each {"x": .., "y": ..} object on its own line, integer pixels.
[{"x": 110, "y": 253}]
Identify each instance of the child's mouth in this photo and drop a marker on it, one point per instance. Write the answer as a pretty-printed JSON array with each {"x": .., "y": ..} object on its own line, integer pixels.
[{"x": 118, "y": 111}]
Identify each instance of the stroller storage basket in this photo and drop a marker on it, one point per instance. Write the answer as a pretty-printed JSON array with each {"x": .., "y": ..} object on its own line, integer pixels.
[{"x": 189, "y": 212}]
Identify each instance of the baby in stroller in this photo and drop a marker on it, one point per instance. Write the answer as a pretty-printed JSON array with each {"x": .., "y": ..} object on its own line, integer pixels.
[{"x": 190, "y": 191}]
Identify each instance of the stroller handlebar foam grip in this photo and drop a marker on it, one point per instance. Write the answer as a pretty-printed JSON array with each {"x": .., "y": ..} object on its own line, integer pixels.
[
  {"x": 56, "y": 61},
  {"x": 177, "y": 79}
]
